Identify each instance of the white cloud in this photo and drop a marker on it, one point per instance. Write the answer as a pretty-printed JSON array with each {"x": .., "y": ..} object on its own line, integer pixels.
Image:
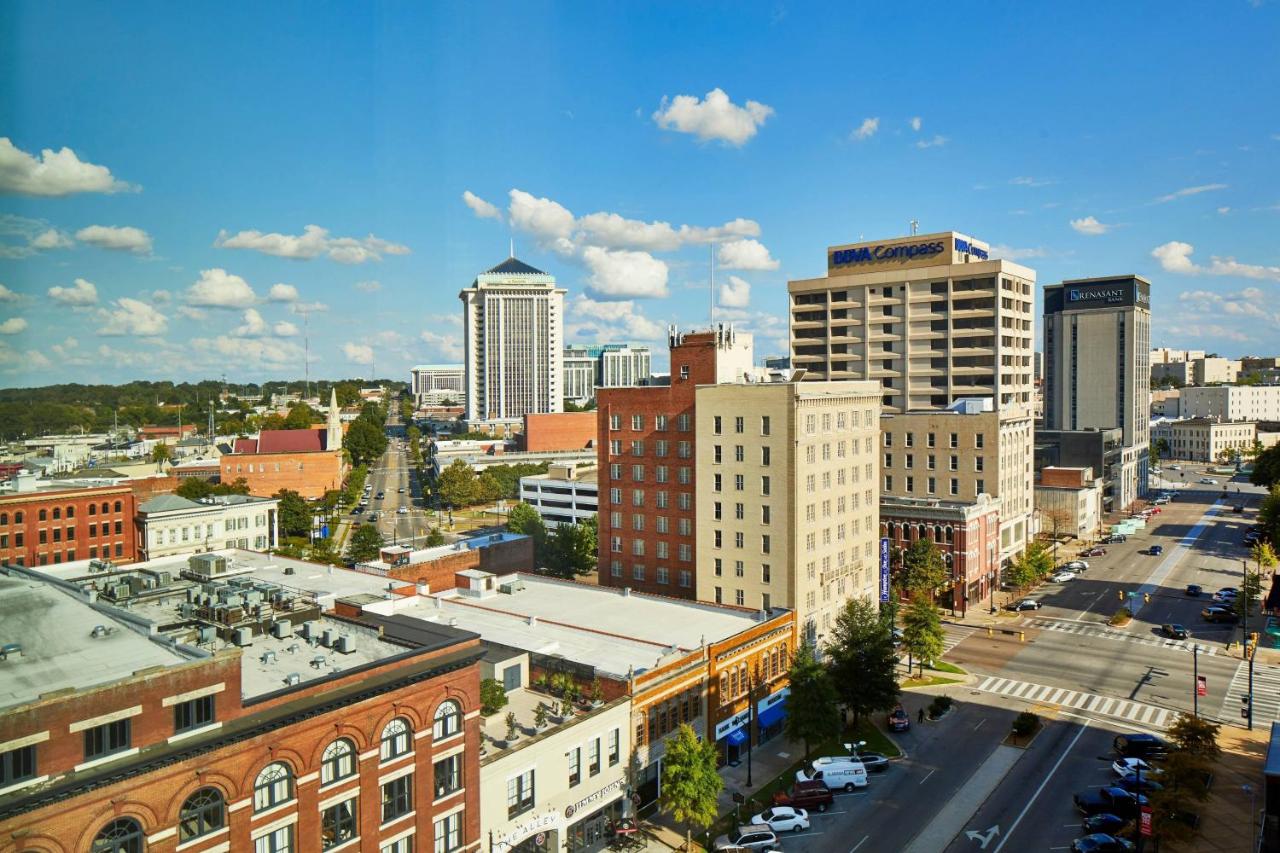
[
  {"x": 13, "y": 326},
  {"x": 1175, "y": 257},
  {"x": 866, "y": 130},
  {"x": 446, "y": 347},
  {"x": 623, "y": 274},
  {"x": 716, "y": 117},
  {"x": 611, "y": 321},
  {"x": 22, "y": 361},
  {"x": 308, "y": 307},
  {"x": 7, "y": 295},
  {"x": 253, "y": 326},
  {"x": 480, "y": 207},
  {"x": 368, "y": 286},
  {"x": 51, "y": 238},
  {"x": 283, "y": 293},
  {"x": 736, "y": 293},
  {"x": 916, "y": 124},
  {"x": 192, "y": 313},
  {"x": 255, "y": 352},
  {"x": 1249, "y": 302},
  {"x": 358, "y": 353},
  {"x": 312, "y": 243},
  {"x": 1090, "y": 226},
  {"x": 161, "y": 297},
  {"x": 117, "y": 238},
  {"x": 1012, "y": 254},
  {"x": 1186, "y": 191},
  {"x": 1223, "y": 211},
  {"x": 217, "y": 288},
  {"x": 131, "y": 317},
  {"x": 937, "y": 142},
  {"x": 1028, "y": 181},
  {"x": 745, "y": 255},
  {"x": 81, "y": 293},
  {"x": 616, "y": 232},
  {"x": 284, "y": 329},
  {"x": 53, "y": 173},
  {"x": 548, "y": 220}
]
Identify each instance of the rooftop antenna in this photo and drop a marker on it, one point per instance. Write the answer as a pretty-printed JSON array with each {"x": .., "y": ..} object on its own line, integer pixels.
[
  {"x": 915, "y": 225},
  {"x": 306, "y": 351},
  {"x": 512, "y": 251}
]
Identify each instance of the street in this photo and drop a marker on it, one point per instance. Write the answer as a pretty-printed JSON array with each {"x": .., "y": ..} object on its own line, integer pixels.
[{"x": 393, "y": 477}]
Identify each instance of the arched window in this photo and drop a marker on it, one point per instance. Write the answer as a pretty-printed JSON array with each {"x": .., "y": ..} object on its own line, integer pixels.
[
  {"x": 17, "y": 517},
  {"x": 4, "y": 518},
  {"x": 338, "y": 761},
  {"x": 57, "y": 513},
  {"x": 937, "y": 533},
  {"x": 106, "y": 507},
  {"x": 395, "y": 739},
  {"x": 44, "y": 515},
  {"x": 273, "y": 786},
  {"x": 71, "y": 512},
  {"x": 448, "y": 719},
  {"x": 119, "y": 506},
  {"x": 204, "y": 812},
  {"x": 950, "y": 534},
  {"x": 93, "y": 509},
  {"x": 122, "y": 835}
]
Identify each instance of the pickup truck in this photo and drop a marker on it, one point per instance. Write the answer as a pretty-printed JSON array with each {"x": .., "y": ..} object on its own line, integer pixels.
[{"x": 1109, "y": 800}]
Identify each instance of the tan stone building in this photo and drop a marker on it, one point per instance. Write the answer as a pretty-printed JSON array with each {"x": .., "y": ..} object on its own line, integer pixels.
[
  {"x": 1069, "y": 501},
  {"x": 1204, "y": 440},
  {"x": 787, "y": 504}
]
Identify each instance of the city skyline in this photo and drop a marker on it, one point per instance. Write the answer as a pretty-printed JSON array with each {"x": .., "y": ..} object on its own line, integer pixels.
[{"x": 195, "y": 216}]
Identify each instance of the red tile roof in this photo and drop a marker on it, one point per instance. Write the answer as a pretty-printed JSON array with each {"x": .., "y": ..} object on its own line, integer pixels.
[
  {"x": 290, "y": 440},
  {"x": 246, "y": 445}
]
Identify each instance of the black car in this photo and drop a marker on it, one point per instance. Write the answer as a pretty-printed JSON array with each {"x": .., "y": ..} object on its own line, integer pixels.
[
  {"x": 1217, "y": 613},
  {"x": 1111, "y": 800},
  {"x": 1139, "y": 745},
  {"x": 1174, "y": 631},
  {"x": 1106, "y": 823},
  {"x": 1024, "y": 604},
  {"x": 875, "y": 762},
  {"x": 1100, "y": 842},
  {"x": 1194, "y": 590},
  {"x": 1131, "y": 784}
]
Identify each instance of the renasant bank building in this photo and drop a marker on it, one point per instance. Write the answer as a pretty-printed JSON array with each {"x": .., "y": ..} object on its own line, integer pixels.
[{"x": 947, "y": 332}]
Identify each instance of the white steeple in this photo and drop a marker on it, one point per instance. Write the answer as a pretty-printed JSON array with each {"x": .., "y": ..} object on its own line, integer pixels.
[{"x": 333, "y": 437}]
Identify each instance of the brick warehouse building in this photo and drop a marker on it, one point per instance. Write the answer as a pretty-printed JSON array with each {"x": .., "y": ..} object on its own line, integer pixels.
[
  {"x": 307, "y": 461},
  {"x": 43, "y": 528},
  {"x": 646, "y": 453},
  {"x": 333, "y": 738}
]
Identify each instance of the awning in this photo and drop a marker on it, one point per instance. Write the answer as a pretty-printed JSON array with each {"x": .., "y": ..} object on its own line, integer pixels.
[
  {"x": 771, "y": 715},
  {"x": 737, "y": 737}
]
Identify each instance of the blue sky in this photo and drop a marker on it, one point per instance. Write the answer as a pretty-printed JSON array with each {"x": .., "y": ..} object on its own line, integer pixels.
[{"x": 235, "y": 174}]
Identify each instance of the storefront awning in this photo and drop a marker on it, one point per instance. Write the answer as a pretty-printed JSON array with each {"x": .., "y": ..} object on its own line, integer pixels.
[
  {"x": 772, "y": 715},
  {"x": 737, "y": 737}
]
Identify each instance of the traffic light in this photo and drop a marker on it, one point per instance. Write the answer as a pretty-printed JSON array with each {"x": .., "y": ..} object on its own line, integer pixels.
[
  {"x": 1253, "y": 644},
  {"x": 1245, "y": 709}
]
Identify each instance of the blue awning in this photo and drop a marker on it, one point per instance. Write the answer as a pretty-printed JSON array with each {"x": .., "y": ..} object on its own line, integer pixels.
[
  {"x": 771, "y": 715},
  {"x": 737, "y": 737}
]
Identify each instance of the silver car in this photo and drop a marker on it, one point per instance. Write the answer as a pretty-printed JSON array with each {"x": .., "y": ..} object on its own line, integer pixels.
[{"x": 755, "y": 837}]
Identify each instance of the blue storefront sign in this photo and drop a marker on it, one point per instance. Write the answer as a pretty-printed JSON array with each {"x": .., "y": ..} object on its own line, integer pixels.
[{"x": 884, "y": 569}]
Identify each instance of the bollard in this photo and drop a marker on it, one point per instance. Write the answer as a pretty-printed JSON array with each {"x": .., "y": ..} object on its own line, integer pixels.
[{"x": 1022, "y": 636}]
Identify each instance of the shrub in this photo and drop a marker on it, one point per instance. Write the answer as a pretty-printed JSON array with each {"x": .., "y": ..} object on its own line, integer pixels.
[
  {"x": 1120, "y": 617},
  {"x": 492, "y": 696},
  {"x": 512, "y": 728},
  {"x": 1025, "y": 723},
  {"x": 939, "y": 706}
]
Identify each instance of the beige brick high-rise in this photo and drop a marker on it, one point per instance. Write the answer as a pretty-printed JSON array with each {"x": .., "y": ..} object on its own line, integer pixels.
[{"x": 787, "y": 503}]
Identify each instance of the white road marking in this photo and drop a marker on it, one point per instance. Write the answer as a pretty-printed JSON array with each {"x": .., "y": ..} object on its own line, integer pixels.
[{"x": 1052, "y": 771}]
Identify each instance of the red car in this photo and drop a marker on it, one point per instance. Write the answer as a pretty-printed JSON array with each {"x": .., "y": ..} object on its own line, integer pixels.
[
  {"x": 898, "y": 720},
  {"x": 1094, "y": 552}
]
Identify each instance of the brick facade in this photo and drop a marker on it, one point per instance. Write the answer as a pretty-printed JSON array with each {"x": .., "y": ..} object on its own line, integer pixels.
[
  {"x": 310, "y": 474},
  {"x": 61, "y": 526},
  {"x": 558, "y": 431},
  {"x": 499, "y": 558},
  {"x": 968, "y": 535}
]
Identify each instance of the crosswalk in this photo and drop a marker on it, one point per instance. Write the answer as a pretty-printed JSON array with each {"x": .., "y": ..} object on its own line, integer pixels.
[
  {"x": 1093, "y": 630},
  {"x": 954, "y": 636},
  {"x": 1266, "y": 695},
  {"x": 1136, "y": 712}
]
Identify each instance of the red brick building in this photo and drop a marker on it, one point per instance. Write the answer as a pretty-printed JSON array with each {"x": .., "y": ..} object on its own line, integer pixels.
[
  {"x": 156, "y": 748},
  {"x": 499, "y": 554},
  {"x": 967, "y": 534},
  {"x": 44, "y": 528},
  {"x": 645, "y": 449},
  {"x": 558, "y": 431},
  {"x": 167, "y": 434},
  {"x": 307, "y": 461}
]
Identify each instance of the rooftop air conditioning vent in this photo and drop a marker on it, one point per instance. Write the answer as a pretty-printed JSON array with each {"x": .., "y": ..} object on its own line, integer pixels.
[{"x": 293, "y": 678}]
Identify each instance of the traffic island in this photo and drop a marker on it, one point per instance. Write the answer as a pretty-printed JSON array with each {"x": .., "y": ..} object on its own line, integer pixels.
[
  {"x": 1120, "y": 619},
  {"x": 1024, "y": 730}
]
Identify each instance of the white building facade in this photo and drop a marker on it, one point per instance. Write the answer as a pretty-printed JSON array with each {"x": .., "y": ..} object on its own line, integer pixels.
[
  {"x": 563, "y": 495},
  {"x": 1231, "y": 403},
  {"x": 432, "y": 384},
  {"x": 169, "y": 525}
]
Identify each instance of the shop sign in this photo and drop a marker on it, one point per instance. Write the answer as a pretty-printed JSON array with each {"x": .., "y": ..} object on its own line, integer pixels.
[
  {"x": 538, "y": 823},
  {"x": 901, "y": 252},
  {"x": 772, "y": 699},
  {"x": 612, "y": 787},
  {"x": 884, "y": 570},
  {"x": 737, "y": 721},
  {"x": 969, "y": 248}
]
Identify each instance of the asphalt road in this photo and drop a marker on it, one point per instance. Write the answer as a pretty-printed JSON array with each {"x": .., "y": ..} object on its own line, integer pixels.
[{"x": 391, "y": 474}]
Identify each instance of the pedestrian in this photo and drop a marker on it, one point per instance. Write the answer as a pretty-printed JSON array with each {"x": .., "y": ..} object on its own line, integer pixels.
[{"x": 920, "y": 716}]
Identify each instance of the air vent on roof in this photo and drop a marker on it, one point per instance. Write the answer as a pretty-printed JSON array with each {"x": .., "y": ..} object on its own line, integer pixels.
[
  {"x": 345, "y": 644},
  {"x": 282, "y": 628},
  {"x": 100, "y": 631},
  {"x": 292, "y": 679}
]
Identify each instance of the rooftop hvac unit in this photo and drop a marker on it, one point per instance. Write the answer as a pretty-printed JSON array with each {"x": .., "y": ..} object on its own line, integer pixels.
[
  {"x": 288, "y": 570},
  {"x": 346, "y": 645},
  {"x": 207, "y": 633},
  {"x": 309, "y": 630},
  {"x": 253, "y": 596},
  {"x": 192, "y": 595},
  {"x": 100, "y": 566},
  {"x": 292, "y": 679},
  {"x": 268, "y": 657},
  {"x": 512, "y": 587},
  {"x": 282, "y": 628},
  {"x": 327, "y": 638},
  {"x": 120, "y": 591},
  {"x": 185, "y": 610},
  {"x": 317, "y": 661},
  {"x": 242, "y": 636}
]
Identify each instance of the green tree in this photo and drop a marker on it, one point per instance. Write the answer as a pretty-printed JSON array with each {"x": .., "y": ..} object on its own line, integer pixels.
[
  {"x": 238, "y": 486},
  {"x": 322, "y": 550},
  {"x": 862, "y": 661},
  {"x": 348, "y": 394},
  {"x": 194, "y": 488},
  {"x": 571, "y": 549},
  {"x": 690, "y": 784},
  {"x": 293, "y": 516},
  {"x": 435, "y": 538},
  {"x": 457, "y": 484},
  {"x": 922, "y": 633},
  {"x": 923, "y": 570},
  {"x": 301, "y": 416},
  {"x": 524, "y": 519},
  {"x": 493, "y": 698},
  {"x": 161, "y": 454},
  {"x": 488, "y": 489},
  {"x": 365, "y": 544},
  {"x": 812, "y": 716},
  {"x": 365, "y": 441},
  {"x": 1269, "y": 514},
  {"x": 1195, "y": 736},
  {"x": 1266, "y": 468},
  {"x": 1153, "y": 454}
]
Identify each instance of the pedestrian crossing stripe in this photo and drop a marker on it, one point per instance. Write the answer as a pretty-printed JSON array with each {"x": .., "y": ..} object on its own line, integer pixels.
[
  {"x": 1266, "y": 695},
  {"x": 1083, "y": 629},
  {"x": 1090, "y": 703},
  {"x": 954, "y": 636}
]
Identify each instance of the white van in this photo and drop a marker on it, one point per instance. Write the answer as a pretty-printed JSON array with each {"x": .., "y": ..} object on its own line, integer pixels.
[{"x": 836, "y": 772}]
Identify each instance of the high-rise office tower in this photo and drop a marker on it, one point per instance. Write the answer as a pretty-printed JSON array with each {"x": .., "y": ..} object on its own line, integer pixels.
[
  {"x": 513, "y": 333},
  {"x": 1097, "y": 351},
  {"x": 933, "y": 320}
]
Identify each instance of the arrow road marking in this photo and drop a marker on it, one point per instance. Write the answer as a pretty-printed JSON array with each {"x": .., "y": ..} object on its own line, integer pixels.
[{"x": 983, "y": 839}]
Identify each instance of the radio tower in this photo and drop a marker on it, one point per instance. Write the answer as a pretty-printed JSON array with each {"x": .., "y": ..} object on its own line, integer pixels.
[{"x": 306, "y": 352}]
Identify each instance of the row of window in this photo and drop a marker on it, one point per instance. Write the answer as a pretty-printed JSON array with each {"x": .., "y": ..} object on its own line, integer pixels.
[
  {"x": 739, "y": 570},
  {"x": 661, "y": 498},
  {"x": 739, "y": 424},
  {"x": 662, "y": 550},
  {"x": 666, "y": 716},
  {"x": 661, "y": 523},
  {"x": 661, "y": 474},
  {"x": 68, "y": 556},
  {"x": 740, "y": 598},
  {"x": 931, "y": 462},
  {"x": 45, "y": 535},
  {"x": 739, "y": 483},
  {"x": 684, "y": 423},
  {"x": 739, "y": 454},
  {"x": 931, "y": 485},
  {"x": 59, "y": 512},
  {"x": 931, "y": 440},
  {"x": 662, "y": 574},
  {"x": 661, "y": 448},
  {"x": 736, "y": 681},
  {"x": 739, "y": 540}
]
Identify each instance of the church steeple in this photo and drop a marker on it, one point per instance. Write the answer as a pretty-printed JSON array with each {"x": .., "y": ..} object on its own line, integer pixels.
[{"x": 333, "y": 435}]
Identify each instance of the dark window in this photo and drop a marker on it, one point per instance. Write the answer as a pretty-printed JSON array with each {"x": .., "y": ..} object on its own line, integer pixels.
[
  {"x": 57, "y": 512},
  {"x": 106, "y": 739},
  {"x": 575, "y": 766},
  {"x": 204, "y": 812},
  {"x": 44, "y": 515},
  {"x": 193, "y": 714},
  {"x": 520, "y": 794},
  {"x": 119, "y": 527},
  {"x": 122, "y": 835},
  {"x": 338, "y": 823},
  {"x": 17, "y": 517},
  {"x": 397, "y": 798},
  {"x": 119, "y": 506},
  {"x": 448, "y": 775},
  {"x": 71, "y": 512},
  {"x": 17, "y": 765},
  {"x": 93, "y": 509}
]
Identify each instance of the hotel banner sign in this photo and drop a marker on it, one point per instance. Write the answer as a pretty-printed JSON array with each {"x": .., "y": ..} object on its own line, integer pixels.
[{"x": 884, "y": 570}]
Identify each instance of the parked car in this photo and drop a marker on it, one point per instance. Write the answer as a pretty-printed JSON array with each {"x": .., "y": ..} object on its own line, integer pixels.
[
  {"x": 1155, "y": 550},
  {"x": 404, "y": 510},
  {"x": 750, "y": 837},
  {"x": 1108, "y": 824},
  {"x": 1194, "y": 590},
  {"x": 1218, "y": 613},
  {"x": 1147, "y": 785},
  {"x": 783, "y": 819},
  {"x": 1225, "y": 597},
  {"x": 1077, "y": 566},
  {"x": 1095, "y": 551},
  {"x": 1207, "y": 481},
  {"x": 373, "y": 516},
  {"x": 1162, "y": 500},
  {"x": 1127, "y": 766},
  {"x": 1139, "y": 745},
  {"x": 898, "y": 720},
  {"x": 836, "y": 772},
  {"x": 875, "y": 762},
  {"x": 1116, "y": 539},
  {"x": 381, "y": 495},
  {"x": 1062, "y": 577},
  {"x": 1100, "y": 842},
  {"x": 1112, "y": 800},
  {"x": 1174, "y": 631},
  {"x": 1238, "y": 508},
  {"x": 1024, "y": 604},
  {"x": 810, "y": 796}
]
